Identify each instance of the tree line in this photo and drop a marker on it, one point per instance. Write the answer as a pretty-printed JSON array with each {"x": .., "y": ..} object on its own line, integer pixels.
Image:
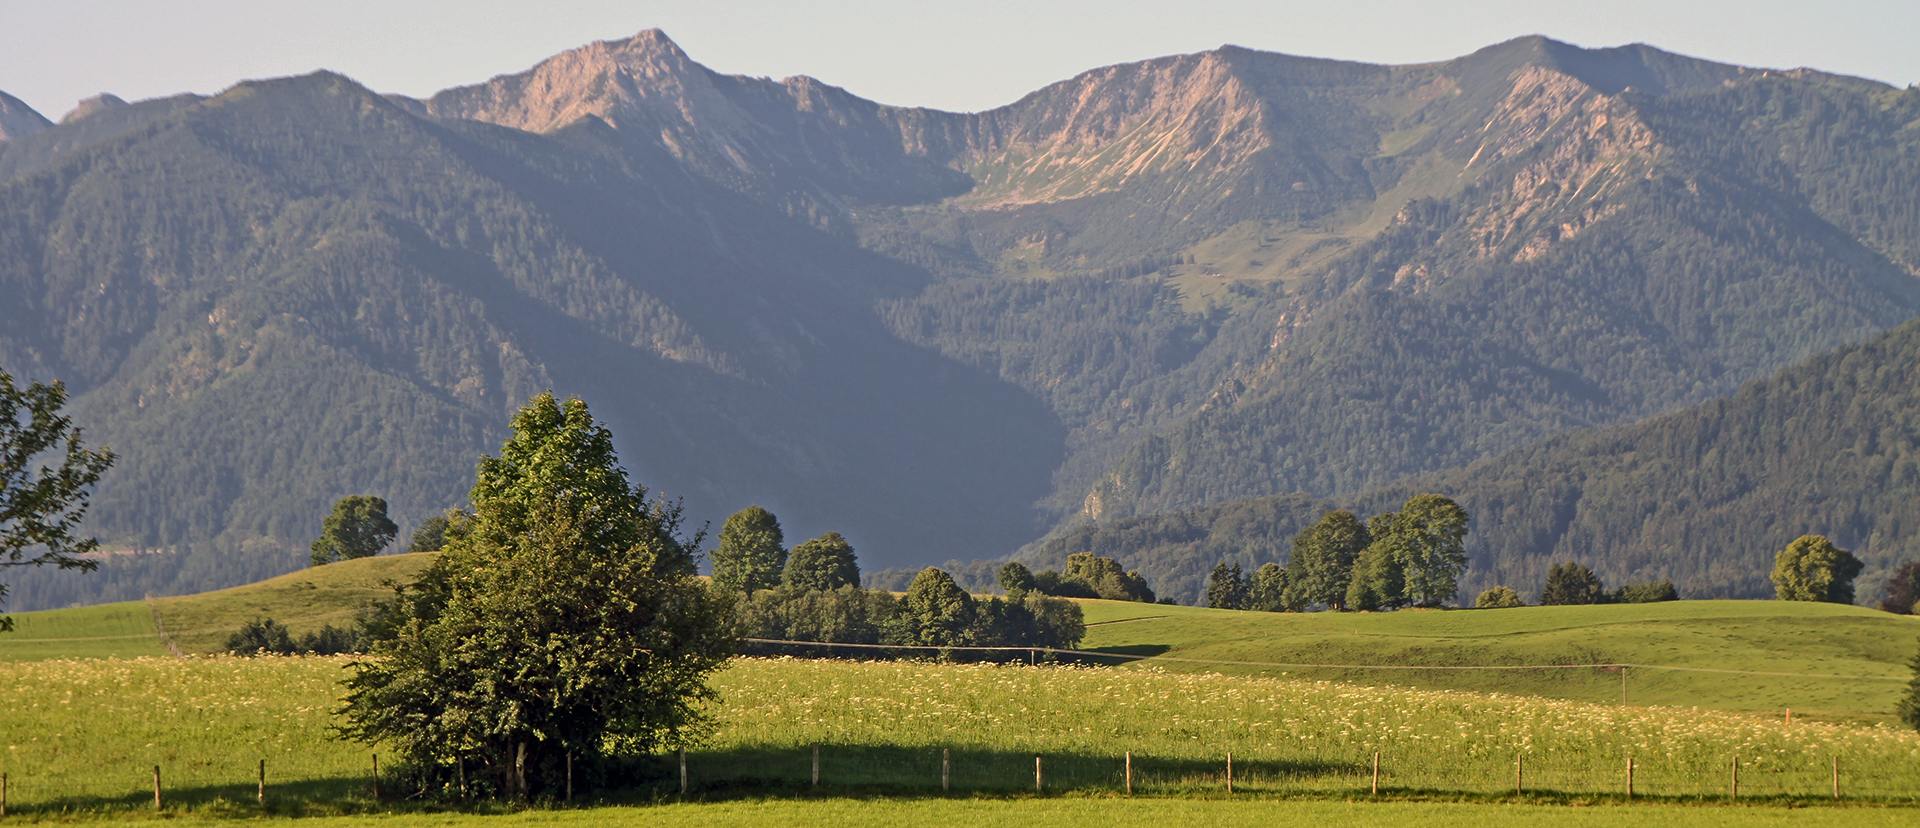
[{"x": 1410, "y": 557}]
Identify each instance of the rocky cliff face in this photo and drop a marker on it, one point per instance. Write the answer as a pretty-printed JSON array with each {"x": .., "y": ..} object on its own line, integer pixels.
[{"x": 17, "y": 120}]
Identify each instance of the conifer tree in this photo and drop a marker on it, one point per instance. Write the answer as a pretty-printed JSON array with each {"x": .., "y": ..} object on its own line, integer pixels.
[
  {"x": 1227, "y": 587},
  {"x": 1571, "y": 584}
]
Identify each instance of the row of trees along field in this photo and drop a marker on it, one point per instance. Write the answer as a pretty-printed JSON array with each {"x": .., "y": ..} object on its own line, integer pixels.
[
  {"x": 1412, "y": 557},
  {"x": 813, "y": 594}
]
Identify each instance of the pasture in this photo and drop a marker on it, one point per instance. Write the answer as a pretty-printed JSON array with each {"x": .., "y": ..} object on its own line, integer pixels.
[
  {"x": 84, "y": 736},
  {"x": 1770, "y": 655}
]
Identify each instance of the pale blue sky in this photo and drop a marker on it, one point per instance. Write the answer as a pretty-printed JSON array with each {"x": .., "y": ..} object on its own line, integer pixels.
[{"x": 961, "y": 56}]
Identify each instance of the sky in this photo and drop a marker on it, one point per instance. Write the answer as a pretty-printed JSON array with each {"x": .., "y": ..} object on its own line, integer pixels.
[{"x": 964, "y": 56}]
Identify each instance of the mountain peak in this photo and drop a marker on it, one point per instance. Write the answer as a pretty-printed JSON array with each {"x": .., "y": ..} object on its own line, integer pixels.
[
  {"x": 94, "y": 105},
  {"x": 17, "y": 120}
]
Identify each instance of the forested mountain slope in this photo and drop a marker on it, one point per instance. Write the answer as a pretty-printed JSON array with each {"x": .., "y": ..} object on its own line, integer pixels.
[
  {"x": 1148, "y": 288},
  {"x": 298, "y": 290},
  {"x": 1705, "y": 496}
]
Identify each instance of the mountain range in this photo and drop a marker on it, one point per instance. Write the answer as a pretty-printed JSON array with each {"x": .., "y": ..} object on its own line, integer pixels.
[{"x": 1149, "y": 288}]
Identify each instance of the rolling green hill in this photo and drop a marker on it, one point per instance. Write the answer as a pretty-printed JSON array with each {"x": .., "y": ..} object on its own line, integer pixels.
[
  {"x": 1751, "y": 656},
  {"x": 303, "y": 601}
]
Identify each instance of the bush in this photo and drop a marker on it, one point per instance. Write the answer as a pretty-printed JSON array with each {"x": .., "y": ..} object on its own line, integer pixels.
[
  {"x": 1499, "y": 597},
  {"x": 1646, "y": 592},
  {"x": 261, "y": 636}
]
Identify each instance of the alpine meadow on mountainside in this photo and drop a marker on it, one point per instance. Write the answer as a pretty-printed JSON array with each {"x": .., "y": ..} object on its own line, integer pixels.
[{"x": 1233, "y": 285}]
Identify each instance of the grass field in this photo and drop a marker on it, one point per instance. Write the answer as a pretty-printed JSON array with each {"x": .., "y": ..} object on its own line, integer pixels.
[
  {"x": 200, "y": 624},
  {"x": 1118, "y": 813},
  {"x": 1806, "y": 642},
  {"x": 84, "y": 736}
]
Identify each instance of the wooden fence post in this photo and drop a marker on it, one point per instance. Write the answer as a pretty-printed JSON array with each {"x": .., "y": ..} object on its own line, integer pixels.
[
  {"x": 263, "y": 781},
  {"x": 376, "y": 776},
  {"x": 1629, "y": 777},
  {"x": 1733, "y": 784},
  {"x": 156, "y": 787},
  {"x": 1836, "y": 777},
  {"x": 3, "y": 794},
  {"x": 1519, "y": 775},
  {"x": 1376, "y": 772},
  {"x": 683, "y": 771},
  {"x": 946, "y": 769},
  {"x": 1623, "y": 684},
  {"x": 1130, "y": 772},
  {"x": 569, "y": 776},
  {"x": 1039, "y": 782},
  {"x": 816, "y": 764},
  {"x": 1229, "y": 771}
]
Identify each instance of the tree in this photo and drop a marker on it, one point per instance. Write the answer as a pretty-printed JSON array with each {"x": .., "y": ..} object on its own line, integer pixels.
[
  {"x": 1426, "y": 540},
  {"x": 567, "y": 624},
  {"x": 1016, "y": 579},
  {"x": 1105, "y": 578},
  {"x": 41, "y": 508},
  {"x": 751, "y": 555},
  {"x": 1268, "y": 591},
  {"x": 1377, "y": 582},
  {"x": 1323, "y": 556},
  {"x": 1226, "y": 587},
  {"x": 1499, "y": 597},
  {"x": 1903, "y": 589},
  {"x": 1570, "y": 584},
  {"x": 939, "y": 611},
  {"x": 1908, "y": 707},
  {"x": 435, "y": 531},
  {"x": 1813, "y": 569},
  {"x": 826, "y": 562},
  {"x": 357, "y": 528}
]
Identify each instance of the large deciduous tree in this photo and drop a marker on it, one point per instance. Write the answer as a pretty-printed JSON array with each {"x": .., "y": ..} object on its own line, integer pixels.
[
  {"x": 938, "y": 611},
  {"x": 45, "y": 478},
  {"x": 565, "y": 623},
  {"x": 1903, "y": 589},
  {"x": 358, "y": 527},
  {"x": 1813, "y": 569},
  {"x": 826, "y": 562},
  {"x": 752, "y": 552},
  {"x": 1321, "y": 567}
]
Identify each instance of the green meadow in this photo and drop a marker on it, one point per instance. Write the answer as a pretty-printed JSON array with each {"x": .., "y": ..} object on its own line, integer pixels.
[
  {"x": 1823, "y": 661},
  {"x": 96, "y": 701}
]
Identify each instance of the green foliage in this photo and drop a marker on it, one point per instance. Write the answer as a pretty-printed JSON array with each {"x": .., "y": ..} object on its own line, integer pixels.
[
  {"x": 1907, "y": 709},
  {"x": 1646, "y": 592},
  {"x": 261, "y": 636},
  {"x": 848, "y": 615},
  {"x": 357, "y": 528},
  {"x": 824, "y": 563},
  {"x": 752, "y": 552},
  {"x": 436, "y": 530},
  {"x": 1015, "y": 579},
  {"x": 264, "y": 636},
  {"x": 937, "y": 611},
  {"x": 1323, "y": 557},
  {"x": 1813, "y": 569},
  {"x": 1569, "y": 584},
  {"x": 1903, "y": 589},
  {"x": 1499, "y": 597},
  {"x": 1226, "y": 587},
  {"x": 1424, "y": 539},
  {"x": 1268, "y": 590},
  {"x": 572, "y": 600},
  {"x": 1172, "y": 549},
  {"x": 1105, "y": 578},
  {"x": 1377, "y": 582},
  {"x": 41, "y": 508}
]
